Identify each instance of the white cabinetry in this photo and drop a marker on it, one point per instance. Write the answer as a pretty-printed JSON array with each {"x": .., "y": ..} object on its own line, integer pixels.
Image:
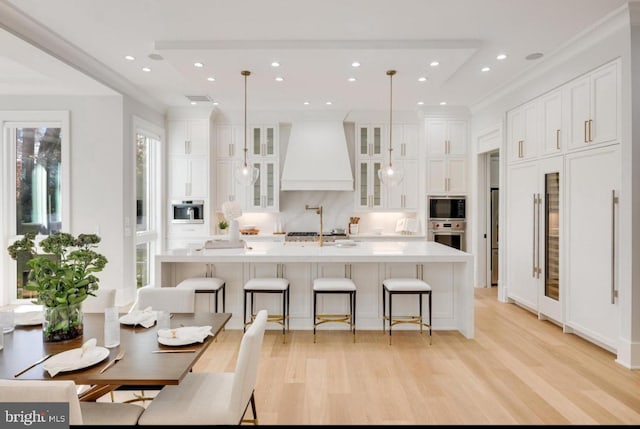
[
  {"x": 446, "y": 156},
  {"x": 593, "y": 103},
  {"x": 522, "y": 125},
  {"x": 263, "y": 140},
  {"x": 369, "y": 188},
  {"x": 189, "y": 177},
  {"x": 593, "y": 184},
  {"x": 188, "y": 137},
  {"x": 446, "y": 137},
  {"x": 405, "y": 196},
  {"x": 369, "y": 140},
  {"x": 229, "y": 141},
  {"x": 405, "y": 141},
  {"x": 533, "y": 213},
  {"x": 264, "y": 194},
  {"x": 552, "y": 131}
]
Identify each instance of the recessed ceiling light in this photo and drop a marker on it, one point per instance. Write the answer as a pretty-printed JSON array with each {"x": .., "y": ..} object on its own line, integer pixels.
[
  {"x": 211, "y": 79},
  {"x": 420, "y": 103},
  {"x": 156, "y": 57},
  {"x": 352, "y": 79},
  {"x": 443, "y": 103},
  {"x": 279, "y": 79},
  {"x": 275, "y": 64},
  {"x": 328, "y": 103},
  {"x": 434, "y": 63},
  {"x": 534, "y": 56},
  {"x": 215, "y": 103},
  {"x": 306, "y": 103},
  {"x": 193, "y": 103},
  {"x": 422, "y": 79},
  {"x": 485, "y": 69},
  {"x": 199, "y": 65},
  {"x": 129, "y": 57},
  {"x": 146, "y": 69},
  {"x": 355, "y": 64},
  {"x": 501, "y": 57}
]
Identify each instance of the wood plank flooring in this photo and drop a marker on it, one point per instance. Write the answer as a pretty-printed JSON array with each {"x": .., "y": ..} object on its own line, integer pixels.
[{"x": 517, "y": 370}]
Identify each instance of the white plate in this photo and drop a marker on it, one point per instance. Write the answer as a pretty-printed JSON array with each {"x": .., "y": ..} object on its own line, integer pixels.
[
  {"x": 73, "y": 361},
  {"x": 29, "y": 318},
  {"x": 176, "y": 341}
]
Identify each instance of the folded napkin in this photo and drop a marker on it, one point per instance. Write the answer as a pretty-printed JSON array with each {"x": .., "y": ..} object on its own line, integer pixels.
[
  {"x": 146, "y": 317},
  {"x": 186, "y": 333},
  {"x": 73, "y": 359},
  {"x": 29, "y": 318}
]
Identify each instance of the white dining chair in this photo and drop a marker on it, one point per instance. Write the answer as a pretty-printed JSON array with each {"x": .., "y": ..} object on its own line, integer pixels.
[
  {"x": 213, "y": 398},
  {"x": 80, "y": 413},
  {"x": 168, "y": 299},
  {"x": 104, "y": 298}
]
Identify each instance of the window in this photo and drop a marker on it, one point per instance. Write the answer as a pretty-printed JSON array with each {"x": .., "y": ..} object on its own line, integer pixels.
[
  {"x": 35, "y": 188},
  {"x": 147, "y": 194}
]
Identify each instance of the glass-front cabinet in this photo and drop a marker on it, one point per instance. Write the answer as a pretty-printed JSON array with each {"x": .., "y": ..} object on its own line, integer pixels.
[
  {"x": 263, "y": 140},
  {"x": 370, "y": 140},
  {"x": 369, "y": 195},
  {"x": 552, "y": 236},
  {"x": 264, "y": 195}
]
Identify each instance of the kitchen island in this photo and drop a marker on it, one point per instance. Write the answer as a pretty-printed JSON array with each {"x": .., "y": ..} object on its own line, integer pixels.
[{"x": 368, "y": 263}]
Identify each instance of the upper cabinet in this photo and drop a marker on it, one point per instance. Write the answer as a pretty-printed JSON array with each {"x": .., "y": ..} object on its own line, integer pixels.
[
  {"x": 553, "y": 134},
  {"x": 593, "y": 105},
  {"x": 522, "y": 126},
  {"x": 446, "y": 137},
  {"x": 405, "y": 141},
  {"x": 263, "y": 140},
  {"x": 369, "y": 140},
  {"x": 188, "y": 137},
  {"x": 446, "y": 156},
  {"x": 229, "y": 141}
]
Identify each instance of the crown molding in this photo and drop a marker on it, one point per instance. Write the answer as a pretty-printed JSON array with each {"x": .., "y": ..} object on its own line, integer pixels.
[
  {"x": 581, "y": 42},
  {"x": 26, "y": 28}
]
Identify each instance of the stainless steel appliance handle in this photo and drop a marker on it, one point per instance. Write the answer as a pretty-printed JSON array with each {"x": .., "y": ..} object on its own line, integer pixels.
[
  {"x": 533, "y": 243},
  {"x": 614, "y": 201}
]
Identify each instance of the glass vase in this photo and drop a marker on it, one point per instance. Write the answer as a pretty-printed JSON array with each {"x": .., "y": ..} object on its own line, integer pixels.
[{"x": 62, "y": 323}]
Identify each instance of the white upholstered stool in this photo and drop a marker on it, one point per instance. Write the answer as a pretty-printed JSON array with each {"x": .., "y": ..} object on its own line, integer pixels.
[
  {"x": 332, "y": 285},
  {"x": 206, "y": 285},
  {"x": 399, "y": 286},
  {"x": 267, "y": 285}
]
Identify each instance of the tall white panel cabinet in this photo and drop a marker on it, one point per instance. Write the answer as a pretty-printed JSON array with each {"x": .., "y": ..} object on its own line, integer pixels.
[
  {"x": 593, "y": 186},
  {"x": 188, "y": 148},
  {"x": 563, "y": 183}
]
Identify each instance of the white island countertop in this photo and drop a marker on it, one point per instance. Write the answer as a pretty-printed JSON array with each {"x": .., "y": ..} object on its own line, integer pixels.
[{"x": 365, "y": 251}]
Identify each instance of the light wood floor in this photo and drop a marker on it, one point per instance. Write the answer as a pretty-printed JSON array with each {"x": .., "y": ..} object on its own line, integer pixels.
[{"x": 517, "y": 370}]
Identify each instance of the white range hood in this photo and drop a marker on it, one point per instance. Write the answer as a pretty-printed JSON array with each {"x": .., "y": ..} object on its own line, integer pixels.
[{"x": 317, "y": 158}]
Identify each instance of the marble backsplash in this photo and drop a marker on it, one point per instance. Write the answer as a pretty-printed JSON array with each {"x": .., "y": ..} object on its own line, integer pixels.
[{"x": 337, "y": 209}]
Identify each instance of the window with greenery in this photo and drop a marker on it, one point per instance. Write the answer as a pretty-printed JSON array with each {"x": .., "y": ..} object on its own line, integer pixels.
[{"x": 147, "y": 198}]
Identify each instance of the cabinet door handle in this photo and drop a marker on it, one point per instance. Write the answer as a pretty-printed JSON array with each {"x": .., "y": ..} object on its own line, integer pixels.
[
  {"x": 186, "y": 146},
  {"x": 590, "y": 130},
  {"x": 558, "y": 139},
  {"x": 230, "y": 147},
  {"x": 370, "y": 149},
  {"x": 614, "y": 201},
  {"x": 538, "y": 270},
  {"x": 533, "y": 241},
  {"x": 586, "y": 124}
]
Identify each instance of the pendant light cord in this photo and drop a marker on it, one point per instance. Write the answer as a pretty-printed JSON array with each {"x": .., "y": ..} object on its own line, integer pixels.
[
  {"x": 390, "y": 73},
  {"x": 245, "y": 73}
]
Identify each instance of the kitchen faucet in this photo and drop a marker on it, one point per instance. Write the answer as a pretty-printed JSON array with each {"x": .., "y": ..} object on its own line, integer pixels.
[{"x": 318, "y": 211}]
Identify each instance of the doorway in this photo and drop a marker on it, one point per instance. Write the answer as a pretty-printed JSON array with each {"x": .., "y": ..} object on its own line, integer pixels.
[{"x": 493, "y": 214}]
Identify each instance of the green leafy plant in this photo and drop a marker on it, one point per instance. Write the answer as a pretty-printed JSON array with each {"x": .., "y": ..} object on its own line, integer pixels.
[
  {"x": 223, "y": 224},
  {"x": 62, "y": 277},
  {"x": 68, "y": 278}
]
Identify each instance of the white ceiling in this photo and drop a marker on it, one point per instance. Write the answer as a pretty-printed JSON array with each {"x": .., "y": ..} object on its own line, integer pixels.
[{"x": 315, "y": 42}]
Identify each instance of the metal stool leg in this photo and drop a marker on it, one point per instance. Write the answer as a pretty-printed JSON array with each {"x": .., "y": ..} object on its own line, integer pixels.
[
  {"x": 315, "y": 303},
  {"x": 244, "y": 312},
  {"x": 390, "y": 314},
  {"x": 420, "y": 300},
  {"x": 384, "y": 310}
]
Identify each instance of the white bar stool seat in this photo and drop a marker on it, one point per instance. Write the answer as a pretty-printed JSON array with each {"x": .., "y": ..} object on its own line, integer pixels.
[
  {"x": 334, "y": 285},
  {"x": 267, "y": 285},
  {"x": 206, "y": 285},
  {"x": 405, "y": 286}
]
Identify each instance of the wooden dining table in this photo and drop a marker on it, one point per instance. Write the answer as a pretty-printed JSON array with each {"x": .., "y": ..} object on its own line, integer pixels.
[{"x": 140, "y": 366}]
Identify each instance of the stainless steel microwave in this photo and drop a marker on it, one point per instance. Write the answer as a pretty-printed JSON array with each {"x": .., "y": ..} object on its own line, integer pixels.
[
  {"x": 187, "y": 211},
  {"x": 448, "y": 207}
]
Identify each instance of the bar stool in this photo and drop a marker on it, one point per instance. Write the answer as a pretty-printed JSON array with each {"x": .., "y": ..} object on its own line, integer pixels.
[
  {"x": 267, "y": 285},
  {"x": 335, "y": 286},
  {"x": 211, "y": 285},
  {"x": 400, "y": 286}
]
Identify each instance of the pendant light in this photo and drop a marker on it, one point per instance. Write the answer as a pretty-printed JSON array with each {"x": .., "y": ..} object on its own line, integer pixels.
[
  {"x": 245, "y": 174},
  {"x": 390, "y": 175}
]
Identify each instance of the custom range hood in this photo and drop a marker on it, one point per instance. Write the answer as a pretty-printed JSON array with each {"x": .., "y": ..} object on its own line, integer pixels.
[{"x": 317, "y": 158}]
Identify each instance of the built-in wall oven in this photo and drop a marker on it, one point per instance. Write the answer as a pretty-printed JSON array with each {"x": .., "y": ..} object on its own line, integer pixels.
[
  {"x": 447, "y": 220},
  {"x": 187, "y": 211}
]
